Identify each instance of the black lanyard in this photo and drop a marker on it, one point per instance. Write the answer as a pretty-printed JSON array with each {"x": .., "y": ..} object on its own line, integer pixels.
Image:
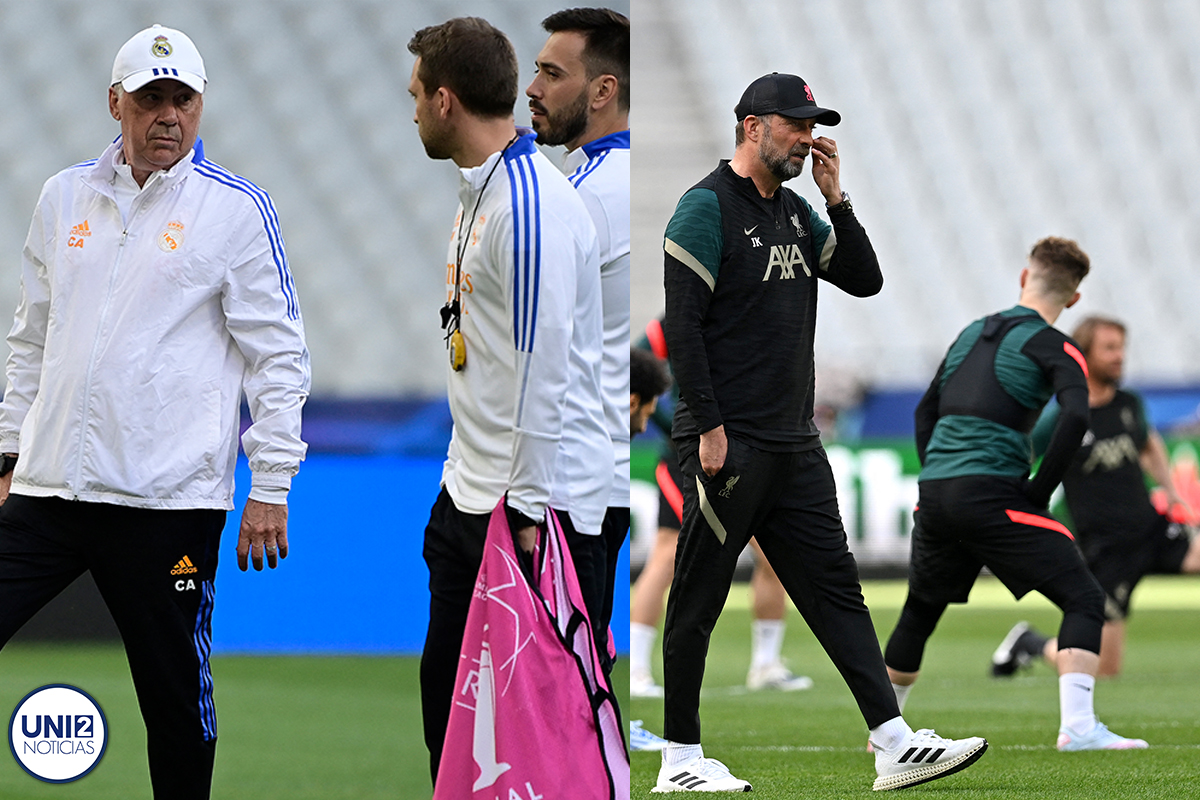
[{"x": 452, "y": 311}]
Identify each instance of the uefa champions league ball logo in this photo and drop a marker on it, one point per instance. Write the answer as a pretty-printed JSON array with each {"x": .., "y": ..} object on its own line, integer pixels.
[{"x": 58, "y": 733}]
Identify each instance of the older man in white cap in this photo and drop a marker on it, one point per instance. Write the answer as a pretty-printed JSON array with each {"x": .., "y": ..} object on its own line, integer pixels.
[{"x": 154, "y": 292}]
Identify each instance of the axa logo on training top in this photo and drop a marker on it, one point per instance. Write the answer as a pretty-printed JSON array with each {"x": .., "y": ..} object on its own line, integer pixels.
[{"x": 786, "y": 257}]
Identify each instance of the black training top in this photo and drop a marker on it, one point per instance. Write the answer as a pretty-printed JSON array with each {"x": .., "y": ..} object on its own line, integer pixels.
[
  {"x": 1106, "y": 489},
  {"x": 741, "y": 288},
  {"x": 978, "y": 413}
]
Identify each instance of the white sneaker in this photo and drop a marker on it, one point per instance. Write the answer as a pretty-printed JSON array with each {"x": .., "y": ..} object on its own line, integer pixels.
[
  {"x": 924, "y": 756},
  {"x": 698, "y": 775},
  {"x": 776, "y": 677},
  {"x": 642, "y": 739},
  {"x": 1098, "y": 738},
  {"x": 641, "y": 684}
]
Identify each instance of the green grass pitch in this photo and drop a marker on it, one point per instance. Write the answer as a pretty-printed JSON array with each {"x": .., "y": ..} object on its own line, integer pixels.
[
  {"x": 811, "y": 743},
  {"x": 289, "y": 728},
  {"x": 325, "y": 728}
]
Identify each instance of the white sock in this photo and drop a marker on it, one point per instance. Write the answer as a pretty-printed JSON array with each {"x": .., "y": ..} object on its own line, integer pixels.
[
  {"x": 641, "y": 643},
  {"x": 902, "y": 694},
  {"x": 1076, "y": 692},
  {"x": 890, "y": 734},
  {"x": 675, "y": 754},
  {"x": 766, "y": 637}
]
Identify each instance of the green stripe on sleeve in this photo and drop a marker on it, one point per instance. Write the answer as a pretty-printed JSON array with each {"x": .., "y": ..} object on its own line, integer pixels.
[{"x": 694, "y": 233}]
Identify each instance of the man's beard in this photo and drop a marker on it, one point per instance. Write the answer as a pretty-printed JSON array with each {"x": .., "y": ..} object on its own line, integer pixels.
[
  {"x": 566, "y": 125},
  {"x": 778, "y": 162},
  {"x": 436, "y": 141}
]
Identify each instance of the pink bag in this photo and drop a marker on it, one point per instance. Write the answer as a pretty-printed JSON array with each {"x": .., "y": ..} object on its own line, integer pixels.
[{"x": 533, "y": 715}]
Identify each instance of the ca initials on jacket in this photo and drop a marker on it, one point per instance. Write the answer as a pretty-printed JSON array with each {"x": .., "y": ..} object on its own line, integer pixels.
[{"x": 786, "y": 257}]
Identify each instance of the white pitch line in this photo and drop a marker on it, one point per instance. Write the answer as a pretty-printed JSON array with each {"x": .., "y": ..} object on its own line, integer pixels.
[{"x": 785, "y": 748}]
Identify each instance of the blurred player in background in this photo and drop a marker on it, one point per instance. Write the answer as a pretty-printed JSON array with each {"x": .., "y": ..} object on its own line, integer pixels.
[
  {"x": 768, "y": 597},
  {"x": 580, "y": 99},
  {"x": 743, "y": 255},
  {"x": 154, "y": 290},
  {"x": 1122, "y": 535},
  {"x": 648, "y": 379},
  {"x": 524, "y": 330},
  {"x": 978, "y": 506}
]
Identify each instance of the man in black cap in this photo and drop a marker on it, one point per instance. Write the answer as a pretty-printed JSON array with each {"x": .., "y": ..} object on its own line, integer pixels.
[{"x": 743, "y": 255}]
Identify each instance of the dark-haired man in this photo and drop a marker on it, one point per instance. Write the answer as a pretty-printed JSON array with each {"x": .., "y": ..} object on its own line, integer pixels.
[
  {"x": 648, "y": 379},
  {"x": 743, "y": 256},
  {"x": 580, "y": 99},
  {"x": 524, "y": 334},
  {"x": 978, "y": 507}
]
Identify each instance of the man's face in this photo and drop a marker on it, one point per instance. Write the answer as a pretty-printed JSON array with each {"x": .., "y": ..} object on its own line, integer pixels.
[
  {"x": 785, "y": 144},
  {"x": 640, "y": 412},
  {"x": 434, "y": 131},
  {"x": 558, "y": 96},
  {"x": 159, "y": 123},
  {"x": 1106, "y": 358}
]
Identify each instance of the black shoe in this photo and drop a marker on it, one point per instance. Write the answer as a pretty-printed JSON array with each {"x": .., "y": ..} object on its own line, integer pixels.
[{"x": 1020, "y": 647}]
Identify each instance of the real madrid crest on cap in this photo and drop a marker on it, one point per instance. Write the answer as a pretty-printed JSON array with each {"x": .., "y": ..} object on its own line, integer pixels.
[
  {"x": 161, "y": 47},
  {"x": 155, "y": 53}
]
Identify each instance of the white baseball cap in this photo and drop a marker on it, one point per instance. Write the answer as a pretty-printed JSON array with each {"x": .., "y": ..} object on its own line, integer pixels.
[{"x": 158, "y": 52}]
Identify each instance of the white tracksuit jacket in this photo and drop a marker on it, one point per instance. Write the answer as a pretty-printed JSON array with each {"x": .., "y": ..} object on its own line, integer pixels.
[
  {"x": 131, "y": 347},
  {"x": 599, "y": 171},
  {"x": 528, "y": 414}
]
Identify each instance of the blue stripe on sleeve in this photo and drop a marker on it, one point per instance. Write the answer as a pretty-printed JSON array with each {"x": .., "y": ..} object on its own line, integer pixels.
[
  {"x": 266, "y": 210},
  {"x": 524, "y": 194},
  {"x": 537, "y": 252},
  {"x": 523, "y": 265},
  {"x": 577, "y": 177},
  {"x": 512, "y": 194}
]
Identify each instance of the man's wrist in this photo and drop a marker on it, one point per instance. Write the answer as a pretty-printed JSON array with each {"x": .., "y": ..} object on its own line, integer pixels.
[
  {"x": 8, "y": 462},
  {"x": 516, "y": 519},
  {"x": 840, "y": 203}
]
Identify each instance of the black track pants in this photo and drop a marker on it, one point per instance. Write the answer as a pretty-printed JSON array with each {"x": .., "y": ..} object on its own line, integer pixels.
[
  {"x": 788, "y": 502},
  {"x": 155, "y": 570}
]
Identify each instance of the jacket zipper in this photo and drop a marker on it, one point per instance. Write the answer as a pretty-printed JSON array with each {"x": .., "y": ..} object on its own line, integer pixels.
[{"x": 87, "y": 386}]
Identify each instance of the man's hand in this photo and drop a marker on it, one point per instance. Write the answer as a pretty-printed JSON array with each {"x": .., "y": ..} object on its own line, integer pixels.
[
  {"x": 713, "y": 448},
  {"x": 826, "y": 169},
  {"x": 5, "y": 485},
  {"x": 264, "y": 529},
  {"x": 527, "y": 538}
]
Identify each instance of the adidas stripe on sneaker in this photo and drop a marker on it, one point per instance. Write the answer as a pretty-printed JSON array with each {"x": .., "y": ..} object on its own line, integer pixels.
[
  {"x": 924, "y": 756},
  {"x": 698, "y": 775}
]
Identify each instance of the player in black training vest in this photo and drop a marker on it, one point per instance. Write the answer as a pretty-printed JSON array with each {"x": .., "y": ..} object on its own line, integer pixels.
[
  {"x": 1123, "y": 535},
  {"x": 978, "y": 507}
]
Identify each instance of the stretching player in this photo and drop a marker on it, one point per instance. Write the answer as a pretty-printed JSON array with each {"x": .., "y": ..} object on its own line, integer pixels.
[
  {"x": 768, "y": 597},
  {"x": 1122, "y": 535},
  {"x": 977, "y": 505},
  {"x": 743, "y": 259}
]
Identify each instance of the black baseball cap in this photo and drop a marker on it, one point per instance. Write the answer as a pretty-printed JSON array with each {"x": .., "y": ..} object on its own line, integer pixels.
[{"x": 783, "y": 94}]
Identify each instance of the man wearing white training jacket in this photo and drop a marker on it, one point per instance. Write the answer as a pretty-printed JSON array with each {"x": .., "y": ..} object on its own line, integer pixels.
[{"x": 154, "y": 291}]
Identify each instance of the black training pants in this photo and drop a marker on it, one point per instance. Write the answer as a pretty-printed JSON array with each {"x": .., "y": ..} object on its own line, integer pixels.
[
  {"x": 788, "y": 502},
  {"x": 453, "y": 552},
  {"x": 155, "y": 570}
]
